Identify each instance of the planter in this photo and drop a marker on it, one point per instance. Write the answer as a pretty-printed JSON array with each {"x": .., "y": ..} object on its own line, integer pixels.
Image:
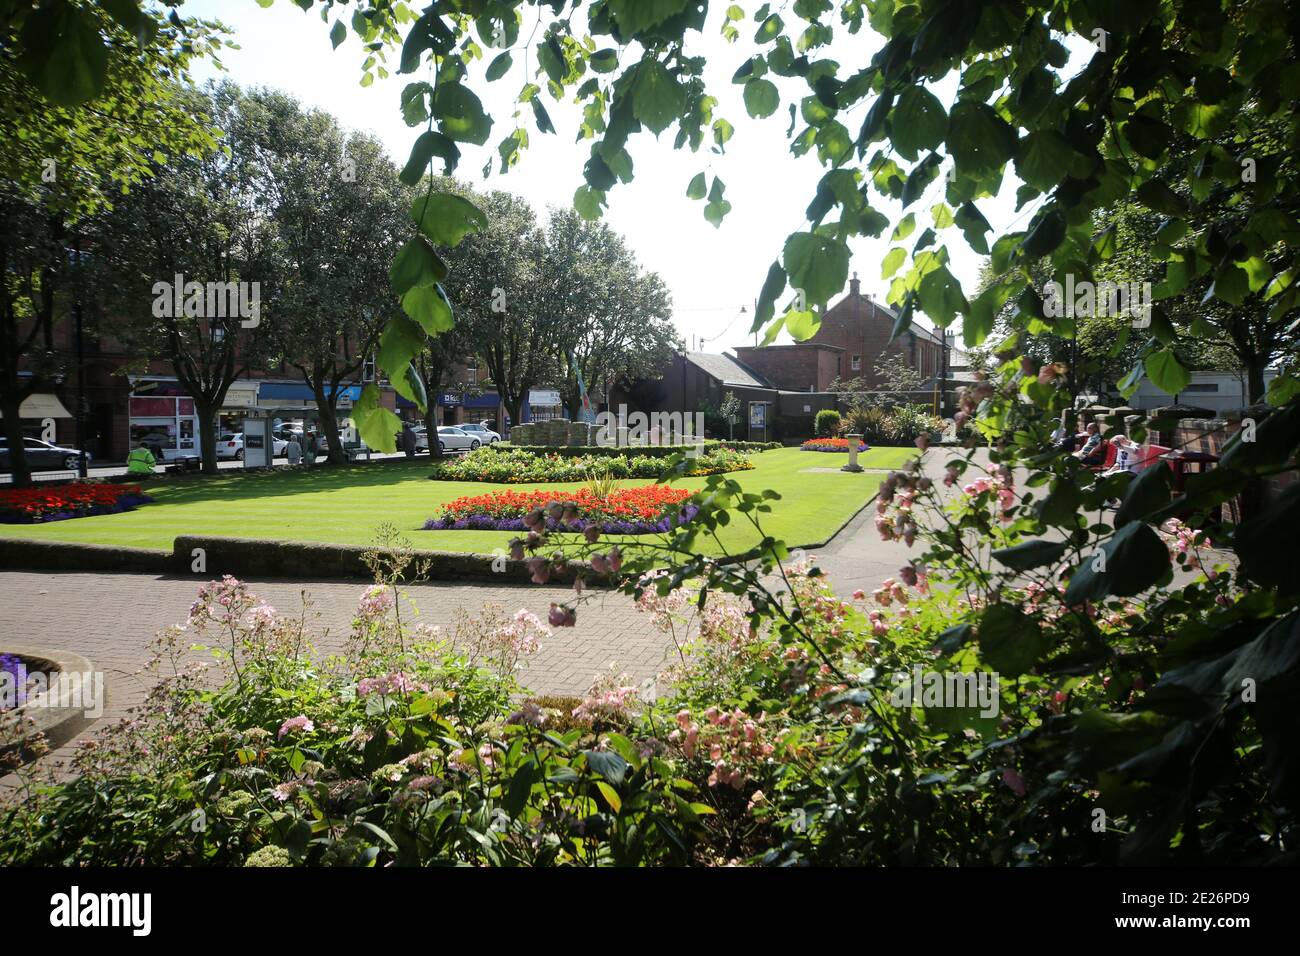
[{"x": 71, "y": 697}]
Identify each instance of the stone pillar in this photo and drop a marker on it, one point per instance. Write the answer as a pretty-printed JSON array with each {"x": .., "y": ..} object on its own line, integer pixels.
[{"x": 854, "y": 441}]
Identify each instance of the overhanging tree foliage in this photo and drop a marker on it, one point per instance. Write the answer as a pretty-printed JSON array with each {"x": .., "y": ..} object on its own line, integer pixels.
[{"x": 89, "y": 104}]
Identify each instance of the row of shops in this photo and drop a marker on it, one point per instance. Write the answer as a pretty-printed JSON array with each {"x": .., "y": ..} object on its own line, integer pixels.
[{"x": 156, "y": 410}]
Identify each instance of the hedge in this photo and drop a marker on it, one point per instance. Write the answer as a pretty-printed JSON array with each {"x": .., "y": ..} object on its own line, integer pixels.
[{"x": 653, "y": 451}]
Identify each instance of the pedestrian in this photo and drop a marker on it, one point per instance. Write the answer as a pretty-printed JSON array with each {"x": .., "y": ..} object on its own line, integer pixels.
[
  {"x": 408, "y": 440},
  {"x": 309, "y": 452},
  {"x": 293, "y": 451},
  {"x": 140, "y": 462}
]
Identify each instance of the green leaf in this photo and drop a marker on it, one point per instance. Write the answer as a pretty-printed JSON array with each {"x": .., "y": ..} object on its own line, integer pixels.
[
  {"x": 414, "y": 104},
  {"x": 1047, "y": 234},
  {"x": 604, "y": 61},
  {"x": 428, "y": 305},
  {"x": 696, "y": 189},
  {"x": 377, "y": 426},
  {"x": 401, "y": 341},
  {"x": 802, "y": 325},
  {"x": 1146, "y": 493},
  {"x": 588, "y": 202},
  {"x": 338, "y": 33},
  {"x": 1031, "y": 554},
  {"x": 64, "y": 54},
  {"x": 1011, "y": 642},
  {"x": 610, "y": 794},
  {"x": 608, "y": 764},
  {"x": 633, "y": 16},
  {"x": 1044, "y": 159},
  {"x": 919, "y": 122},
  {"x": 500, "y": 64},
  {"x": 892, "y": 262},
  {"x": 460, "y": 115},
  {"x": 1135, "y": 559},
  {"x": 416, "y": 264},
  {"x": 978, "y": 138},
  {"x": 410, "y": 386},
  {"x": 940, "y": 296},
  {"x": 761, "y": 98},
  {"x": 1166, "y": 373},
  {"x": 657, "y": 96},
  {"x": 447, "y": 218},
  {"x": 1156, "y": 195},
  {"x": 429, "y": 144},
  {"x": 816, "y": 264},
  {"x": 551, "y": 57},
  {"x": 773, "y": 285}
]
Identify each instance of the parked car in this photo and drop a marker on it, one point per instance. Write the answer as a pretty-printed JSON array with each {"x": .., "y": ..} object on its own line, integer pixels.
[
  {"x": 232, "y": 446},
  {"x": 480, "y": 431},
  {"x": 42, "y": 456},
  {"x": 451, "y": 438}
]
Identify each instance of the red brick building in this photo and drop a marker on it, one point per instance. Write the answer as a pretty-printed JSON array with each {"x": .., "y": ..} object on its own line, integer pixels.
[{"x": 852, "y": 340}]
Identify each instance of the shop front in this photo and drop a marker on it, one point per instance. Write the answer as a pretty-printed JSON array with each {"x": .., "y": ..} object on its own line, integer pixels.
[{"x": 162, "y": 418}]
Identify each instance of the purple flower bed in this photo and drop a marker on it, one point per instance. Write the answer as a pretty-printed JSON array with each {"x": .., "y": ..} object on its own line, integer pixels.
[{"x": 488, "y": 523}]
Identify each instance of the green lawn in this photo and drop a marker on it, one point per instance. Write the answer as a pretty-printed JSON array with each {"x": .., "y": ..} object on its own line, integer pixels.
[{"x": 344, "y": 505}]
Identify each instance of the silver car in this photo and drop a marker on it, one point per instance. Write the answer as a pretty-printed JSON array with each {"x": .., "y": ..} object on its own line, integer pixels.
[
  {"x": 451, "y": 438},
  {"x": 480, "y": 431}
]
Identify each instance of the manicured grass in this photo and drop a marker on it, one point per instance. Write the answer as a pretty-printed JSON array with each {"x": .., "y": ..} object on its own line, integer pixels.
[{"x": 344, "y": 505}]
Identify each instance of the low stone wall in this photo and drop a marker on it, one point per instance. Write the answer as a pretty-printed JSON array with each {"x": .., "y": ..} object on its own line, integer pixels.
[{"x": 248, "y": 557}]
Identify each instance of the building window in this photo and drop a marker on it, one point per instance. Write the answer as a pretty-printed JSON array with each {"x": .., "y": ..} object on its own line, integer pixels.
[{"x": 857, "y": 363}]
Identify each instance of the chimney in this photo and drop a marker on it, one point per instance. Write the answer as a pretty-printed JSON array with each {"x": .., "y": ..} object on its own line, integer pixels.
[{"x": 855, "y": 287}]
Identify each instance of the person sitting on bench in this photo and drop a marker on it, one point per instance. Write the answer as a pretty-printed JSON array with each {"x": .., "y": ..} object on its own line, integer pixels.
[{"x": 1093, "y": 451}]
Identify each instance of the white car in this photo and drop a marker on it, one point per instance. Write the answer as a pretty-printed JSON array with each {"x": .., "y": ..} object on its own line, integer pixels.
[
  {"x": 232, "y": 446},
  {"x": 484, "y": 434},
  {"x": 451, "y": 438}
]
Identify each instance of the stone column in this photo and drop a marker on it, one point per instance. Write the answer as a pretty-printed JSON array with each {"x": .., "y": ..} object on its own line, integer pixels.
[{"x": 854, "y": 441}]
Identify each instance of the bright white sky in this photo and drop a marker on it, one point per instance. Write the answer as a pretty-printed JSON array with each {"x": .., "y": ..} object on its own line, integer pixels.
[{"x": 711, "y": 272}]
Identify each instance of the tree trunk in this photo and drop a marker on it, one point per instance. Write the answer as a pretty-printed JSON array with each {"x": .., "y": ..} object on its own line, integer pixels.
[
  {"x": 329, "y": 427},
  {"x": 431, "y": 429},
  {"x": 207, "y": 436},
  {"x": 22, "y": 475},
  {"x": 517, "y": 411},
  {"x": 1255, "y": 387}
]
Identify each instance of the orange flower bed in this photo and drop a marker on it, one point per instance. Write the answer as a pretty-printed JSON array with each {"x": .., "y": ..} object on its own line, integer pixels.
[{"x": 645, "y": 503}]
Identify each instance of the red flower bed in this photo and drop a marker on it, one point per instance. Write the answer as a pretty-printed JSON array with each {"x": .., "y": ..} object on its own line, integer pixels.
[
  {"x": 57, "y": 502},
  {"x": 830, "y": 444},
  {"x": 646, "y": 503}
]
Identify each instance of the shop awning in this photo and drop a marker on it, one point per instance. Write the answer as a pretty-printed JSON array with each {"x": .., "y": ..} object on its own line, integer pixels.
[
  {"x": 299, "y": 392},
  {"x": 42, "y": 405}
]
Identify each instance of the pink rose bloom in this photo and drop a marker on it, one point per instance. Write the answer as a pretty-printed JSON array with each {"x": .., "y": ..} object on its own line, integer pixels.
[{"x": 859, "y": 594}]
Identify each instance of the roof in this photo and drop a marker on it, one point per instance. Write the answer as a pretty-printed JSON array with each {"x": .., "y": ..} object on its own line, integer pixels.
[
  {"x": 920, "y": 331},
  {"x": 725, "y": 368}
]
